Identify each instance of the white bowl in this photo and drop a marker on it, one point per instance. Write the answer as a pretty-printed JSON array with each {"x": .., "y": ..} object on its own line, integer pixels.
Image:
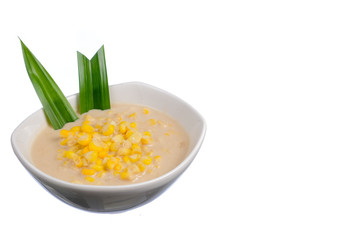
[{"x": 114, "y": 198}]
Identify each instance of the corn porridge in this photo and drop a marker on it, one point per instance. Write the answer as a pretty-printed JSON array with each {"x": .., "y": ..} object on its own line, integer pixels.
[{"x": 126, "y": 144}]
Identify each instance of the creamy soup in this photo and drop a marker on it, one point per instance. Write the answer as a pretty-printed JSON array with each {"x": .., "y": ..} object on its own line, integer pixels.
[{"x": 126, "y": 144}]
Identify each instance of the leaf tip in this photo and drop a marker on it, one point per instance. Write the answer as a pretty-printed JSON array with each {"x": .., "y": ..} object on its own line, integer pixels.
[{"x": 22, "y": 43}]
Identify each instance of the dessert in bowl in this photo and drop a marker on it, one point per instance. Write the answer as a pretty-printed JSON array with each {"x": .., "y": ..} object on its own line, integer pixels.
[{"x": 131, "y": 190}]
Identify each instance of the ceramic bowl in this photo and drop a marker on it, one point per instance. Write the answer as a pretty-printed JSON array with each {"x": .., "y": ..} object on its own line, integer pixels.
[{"x": 114, "y": 198}]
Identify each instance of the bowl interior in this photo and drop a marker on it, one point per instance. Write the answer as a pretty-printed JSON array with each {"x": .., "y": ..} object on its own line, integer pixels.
[{"x": 134, "y": 93}]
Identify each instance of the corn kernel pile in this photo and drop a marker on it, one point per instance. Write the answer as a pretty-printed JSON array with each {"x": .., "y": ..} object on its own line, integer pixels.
[{"x": 109, "y": 146}]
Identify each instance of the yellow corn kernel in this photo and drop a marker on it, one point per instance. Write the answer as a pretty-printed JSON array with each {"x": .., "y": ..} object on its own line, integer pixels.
[
  {"x": 71, "y": 155},
  {"x": 114, "y": 146},
  {"x": 134, "y": 157},
  {"x": 146, "y": 160},
  {"x": 86, "y": 122},
  {"x": 106, "y": 146},
  {"x": 84, "y": 139},
  {"x": 116, "y": 159},
  {"x": 167, "y": 134},
  {"x": 126, "y": 159},
  {"x": 125, "y": 175},
  {"x": 135, "y": 138},
  {"x": 124, "y": 151},
  {"x": 89, "y": 179},
  {"x": 129, "y": 133},
  {"x": 110, "y": 164},
  {"x": 123, "y": 127},
  {"x": 98, "y": 168},
  {"x": 87, "y": 128},
  {"x": 67, "y": 154},
  {"x": 152, "y": 121},
  {"x": 147, "y": 133},
  {"x": 108, "y": 129},
  {"x": 133, "y": 115},
  {"x": 126, "y": 144},
  {"x": 85, "y": 150},
  {"x": 79, "y": 163},
  {"x": 91, "y": 156},
  {"x": 95, "y": 145},
  {"x": 118, "y": 138},
  {"x": 102, "y": 154},
  {"x": 64, "y": 142},
  {"x": 71, "y": 141},
  {"x": 136, "y": 148},
  {"x": 133, "y": 124},
  {"x": 146, "y": 140},
  {"x": 64, "y": 133},
  {"x": 88, "y": 171},
  {"x": 75, "y": 129},
  {"x": 98, "y": 162},
  {"x": 157, "y": 158},
  {"x": 141, "y": 167},
  {"x": 146, "y": 111},
  {"x": 149, "y": 153},
  {"x": 117, "y": 167}
]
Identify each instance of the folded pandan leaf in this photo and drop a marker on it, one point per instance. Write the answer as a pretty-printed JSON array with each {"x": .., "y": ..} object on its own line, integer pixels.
[
  {"x": 56, "y": 107},
  {"x": 93, "y": 82}
]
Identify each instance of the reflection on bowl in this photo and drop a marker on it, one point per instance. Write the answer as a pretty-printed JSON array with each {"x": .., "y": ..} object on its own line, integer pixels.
[{"x": 122, "y": 197}]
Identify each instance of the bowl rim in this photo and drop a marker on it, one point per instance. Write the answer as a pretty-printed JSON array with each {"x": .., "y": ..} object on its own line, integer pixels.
[{"x": 153, "y": 183}]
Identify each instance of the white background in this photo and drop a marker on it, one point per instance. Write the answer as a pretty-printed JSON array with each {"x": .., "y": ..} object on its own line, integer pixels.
[{"x": 277, "y": 82}]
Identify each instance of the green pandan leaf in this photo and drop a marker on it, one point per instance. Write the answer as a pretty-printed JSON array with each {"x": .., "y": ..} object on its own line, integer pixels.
[
  {"x": 57, "y": 108},
  {"x": 93, "y": 82}
]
